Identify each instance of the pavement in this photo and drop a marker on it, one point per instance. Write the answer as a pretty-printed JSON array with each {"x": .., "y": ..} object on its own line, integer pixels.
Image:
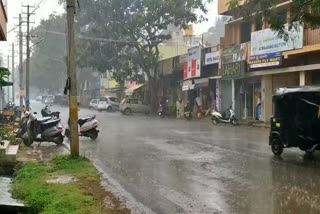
[{"x": 175, "y": 166}]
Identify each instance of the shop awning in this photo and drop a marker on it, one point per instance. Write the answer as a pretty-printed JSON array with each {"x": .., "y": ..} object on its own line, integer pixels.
[
  {"x": 133, "y": 88},
  {"x": 215, "y": 77}
]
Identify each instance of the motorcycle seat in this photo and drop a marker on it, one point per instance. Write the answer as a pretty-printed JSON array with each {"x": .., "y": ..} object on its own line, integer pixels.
[
  {"x": 84, "y": 120},
  {"x": 50, "y": 122},
  {"x": 44, "y": 119}
]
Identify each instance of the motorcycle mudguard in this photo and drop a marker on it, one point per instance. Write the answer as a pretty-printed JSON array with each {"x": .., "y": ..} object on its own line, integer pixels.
[
  {"x": 50, "y": 132},
  {"x": 89, "y": 125}
]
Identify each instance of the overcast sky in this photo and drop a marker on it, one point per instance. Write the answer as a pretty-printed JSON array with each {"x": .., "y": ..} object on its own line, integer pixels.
[{"x": 46, "y": 7}]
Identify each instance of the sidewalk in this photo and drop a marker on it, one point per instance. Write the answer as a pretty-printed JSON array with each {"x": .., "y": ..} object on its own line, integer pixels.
[{"x": 252, "y": 123}]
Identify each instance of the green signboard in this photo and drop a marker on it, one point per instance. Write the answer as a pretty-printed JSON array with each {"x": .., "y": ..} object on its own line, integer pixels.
[{"x": 233, "y": 61}]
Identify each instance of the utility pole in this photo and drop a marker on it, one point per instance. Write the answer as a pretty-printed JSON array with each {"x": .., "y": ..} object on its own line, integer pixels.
[
  {"x": 13, "y": 74},
  {"x": 27, "y": 98},
  {"x": 72, "y": 79},
  {"x": 8, "y": 88},
  {"x": 21, "y": 62}
]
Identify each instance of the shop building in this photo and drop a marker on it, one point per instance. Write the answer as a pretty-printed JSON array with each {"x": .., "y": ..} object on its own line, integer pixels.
[{"x": 271, "y": 62}]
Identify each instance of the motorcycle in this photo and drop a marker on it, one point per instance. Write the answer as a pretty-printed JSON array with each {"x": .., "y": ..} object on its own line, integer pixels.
[
  {"x": 42, "y": 130},
  {"x": 88, "y": 128},
  {"x": 225, "y": 117},
  {"x": 46, "y": 112},
  {"x": 187, "y": 111},
  {"x": 163, "y": 109}
]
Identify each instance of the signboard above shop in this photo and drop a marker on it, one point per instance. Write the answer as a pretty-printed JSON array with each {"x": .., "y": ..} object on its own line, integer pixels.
[
  {"x": 212, "y": 58},
  {"x": 234, "y": 61},
  {"x": 266, "y": 60},
  {"x": 192, "y": 68},
  {"x": 267, "y": 41},
  {"x": 235, "y": 53}
]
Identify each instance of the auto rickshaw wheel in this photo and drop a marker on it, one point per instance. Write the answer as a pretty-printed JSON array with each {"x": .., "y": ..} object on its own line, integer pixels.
[{"x": 276, "y": 147}]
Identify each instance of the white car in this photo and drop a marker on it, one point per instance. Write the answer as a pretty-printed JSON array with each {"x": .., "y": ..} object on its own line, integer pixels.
[
  {"x": 94, "y": 103},
  {"x": 109, "y": 104},
  {"x": 49, "y": 100}
]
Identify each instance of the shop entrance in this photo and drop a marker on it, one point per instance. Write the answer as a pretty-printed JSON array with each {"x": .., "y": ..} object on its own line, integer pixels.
[{"x": 251, "y": 107}]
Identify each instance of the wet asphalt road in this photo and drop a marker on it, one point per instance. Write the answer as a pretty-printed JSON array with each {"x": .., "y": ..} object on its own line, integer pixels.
[{"x": 175, "y": 166}]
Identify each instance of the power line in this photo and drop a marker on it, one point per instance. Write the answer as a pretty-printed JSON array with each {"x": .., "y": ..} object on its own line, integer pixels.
[{"x": 37, "y": 7}]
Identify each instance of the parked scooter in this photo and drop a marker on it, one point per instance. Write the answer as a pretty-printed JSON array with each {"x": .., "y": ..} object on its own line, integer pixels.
[
  {"x": 88, "y": 128},
  {"x": 46, "y": 112},
  {"x": 163, "y": 109},
  {"x": 43, "y": 130},
  {"x": 225, "y": 117},
  {"x": 188, "y": 111}
]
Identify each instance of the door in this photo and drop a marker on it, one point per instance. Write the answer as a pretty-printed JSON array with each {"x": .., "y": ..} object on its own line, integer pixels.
[
  {"x": 114, "y": 103},
  {"x": 134, "y": 105}
]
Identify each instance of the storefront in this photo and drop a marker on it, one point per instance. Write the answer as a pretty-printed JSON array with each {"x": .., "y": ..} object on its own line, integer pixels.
[
  {"x": 233, "y": 68},
  {"x": 251, "y": 106}
]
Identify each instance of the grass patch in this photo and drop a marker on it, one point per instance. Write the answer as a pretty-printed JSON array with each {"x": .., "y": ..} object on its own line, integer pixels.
[{"x": 85, "y": 195}]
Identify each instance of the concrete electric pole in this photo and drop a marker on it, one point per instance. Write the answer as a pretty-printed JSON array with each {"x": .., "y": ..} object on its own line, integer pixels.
[
  {"x": 8, "y": 88},
  {"x": 72, "y": 79},
  {"x": 27, "y": 98},
  {"x": 21, "y": 62},
  {"x": 13, "y": 75}
]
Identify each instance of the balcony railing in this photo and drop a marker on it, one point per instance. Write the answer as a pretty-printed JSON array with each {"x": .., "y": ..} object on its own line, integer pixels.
[{"x": 311, "y": 36}]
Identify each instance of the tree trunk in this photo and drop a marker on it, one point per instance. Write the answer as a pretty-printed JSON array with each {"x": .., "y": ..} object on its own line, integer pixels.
[{"x": 153, "y": 94}]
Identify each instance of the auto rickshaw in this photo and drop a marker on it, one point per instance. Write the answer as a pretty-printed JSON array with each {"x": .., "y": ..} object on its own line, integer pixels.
[{"x": 296, "y": 120}]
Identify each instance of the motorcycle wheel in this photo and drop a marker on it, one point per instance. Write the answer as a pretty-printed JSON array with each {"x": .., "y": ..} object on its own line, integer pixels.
[
  {"x": 234, "y": 122},
  {"x": 27, "y": 142},
  {"x": 214, "y": 121},
  {"x": 60, "y": 140},
  {"x": 189, "y": 117},
  {"x": 67, "y": 134},
  {"x": 276, "y": 147},
  {"x": 94, "y": 135}
]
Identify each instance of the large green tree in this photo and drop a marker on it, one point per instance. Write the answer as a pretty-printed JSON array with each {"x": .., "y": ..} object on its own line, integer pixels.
[
  {"x": 48, "y": 67},
  {"x": 301, "y": 11},
  {"x": 123, "y": 36}
]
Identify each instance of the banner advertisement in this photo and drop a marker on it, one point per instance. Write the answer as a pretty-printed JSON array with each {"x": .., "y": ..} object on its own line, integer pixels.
[
  {"x": 266, "y": 60},
  {"x": 267, "y": 41},
  {"x": 233, "y": 60},
  {"x": 233, "y": 70},
  {"x": 192, "y": 68},
  {"x": 236, "y": 53},
  {"x": 212, "y": 58}
]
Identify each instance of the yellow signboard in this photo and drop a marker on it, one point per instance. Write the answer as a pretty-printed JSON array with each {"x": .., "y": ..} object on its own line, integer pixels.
[{"x": 188, "y": 31}]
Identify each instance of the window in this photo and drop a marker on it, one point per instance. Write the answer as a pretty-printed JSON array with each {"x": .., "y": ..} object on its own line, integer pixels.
[
  {"x": 113, "y": 99},
  {"x": 140, "y": 102},
  {"x": 134, "y": 101},
  {"x": 103, "y": 99},
  {"x": 245, "y": 32}
]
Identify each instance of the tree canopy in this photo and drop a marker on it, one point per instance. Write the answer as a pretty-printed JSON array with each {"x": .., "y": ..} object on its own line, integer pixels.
[
  {"x": 123, "y": 36},
  {"x": 48, "y": 67},
  {"x": 301, "y": 11}
]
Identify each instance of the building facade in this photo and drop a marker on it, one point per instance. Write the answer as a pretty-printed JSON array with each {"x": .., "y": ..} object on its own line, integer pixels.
[
  {"x": 268, "y": 62},
  {"x": 3, "y": 20}
]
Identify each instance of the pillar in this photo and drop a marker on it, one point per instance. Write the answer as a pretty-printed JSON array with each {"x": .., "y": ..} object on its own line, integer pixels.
[
  {"x": 233, "y": 95},
  {"x": 302, "y": 78},
  {"x": 266, "y": 97}
]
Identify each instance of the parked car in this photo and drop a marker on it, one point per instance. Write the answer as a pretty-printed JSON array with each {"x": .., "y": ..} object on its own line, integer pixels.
[
  {"x": 134, "y": 105},
  {"x": 43, "y": 99},
  {"x": 49, "y": 100},
  {"x": 94, "y": 103},
  {"x": 108, "y": 103},
  {"x": 39, "y": 98}
]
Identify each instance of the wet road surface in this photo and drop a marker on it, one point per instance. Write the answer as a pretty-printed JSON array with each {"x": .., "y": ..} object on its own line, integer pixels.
[{"x": 175, "y": 166}]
